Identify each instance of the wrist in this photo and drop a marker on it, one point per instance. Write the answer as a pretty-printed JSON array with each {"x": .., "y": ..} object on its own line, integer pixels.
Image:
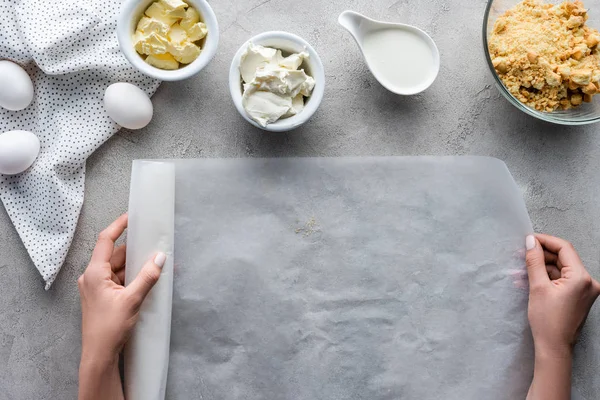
[
  {"x": 553, "y": 353},
  {"x": 99, "y": 376},
  {"x": 98, "y": 358},
  {"x": 552, "y": 373}
]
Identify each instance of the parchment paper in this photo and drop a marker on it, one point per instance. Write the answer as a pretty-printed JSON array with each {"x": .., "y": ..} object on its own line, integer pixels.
[
  {"x": 151, "y": 229},
  {"x": 350, "y": 278}
]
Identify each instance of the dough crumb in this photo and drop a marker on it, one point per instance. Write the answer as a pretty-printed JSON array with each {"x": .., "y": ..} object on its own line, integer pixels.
[{"x": 309, "y": 228}]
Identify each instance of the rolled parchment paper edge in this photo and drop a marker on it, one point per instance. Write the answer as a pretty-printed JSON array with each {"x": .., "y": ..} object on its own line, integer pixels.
[{"x": 151, "y": 229}]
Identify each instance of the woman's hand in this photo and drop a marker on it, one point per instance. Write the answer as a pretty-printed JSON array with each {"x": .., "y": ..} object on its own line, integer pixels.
[
  {"x": 561, "y": 295},
  {"x": 109, "y": 312}
]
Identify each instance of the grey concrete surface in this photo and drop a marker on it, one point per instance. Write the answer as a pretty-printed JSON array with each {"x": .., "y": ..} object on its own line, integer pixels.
[{"x": 462, "y": 113}]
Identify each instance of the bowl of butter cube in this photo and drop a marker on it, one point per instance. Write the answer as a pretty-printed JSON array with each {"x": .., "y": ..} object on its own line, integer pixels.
[{"x": 170, "y": 40}]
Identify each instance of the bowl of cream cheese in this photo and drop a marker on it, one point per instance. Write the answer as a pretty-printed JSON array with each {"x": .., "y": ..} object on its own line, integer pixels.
[
  {"x": 170, "y": 40},
  {"x": 277, "y": 81}
]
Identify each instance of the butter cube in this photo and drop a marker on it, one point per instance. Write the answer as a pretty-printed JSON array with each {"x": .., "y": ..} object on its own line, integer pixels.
[
  {"x": 191, "y": 17},
  {"x": 185, "y": 52},
  {"x": 197, "y": 32},
  {"x": 157, "y": 11},
  {"x": 148, "y": 25},
  {"x": 171, "y": 5},
  {"x": 174, "y": 8},
  {"x": 177, "y": 34},
  {"x": 150, "y": 44},
  {"x": 163, "y": 61}
]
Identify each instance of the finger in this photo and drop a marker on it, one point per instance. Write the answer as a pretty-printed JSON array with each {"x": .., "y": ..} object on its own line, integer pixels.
[
  {"x": 117, "y": 261},
  {"x": 536, "y": 267},
  {"x": 551, "y": 243},
  {"x": 80, "y": 283},
  {"x": 565, "y": 251},
  {"x": 518, "y": 276},
  {"x": 106, "y": 240},
  {"x": 121, "y": 276},
  {"x": 553, "y": 272},
  {"x": 115, "y": 279},
  {"x": 551, "y": 258},
  {"x": 146, "y": 279},
  {"x": 596, "y": 286}
]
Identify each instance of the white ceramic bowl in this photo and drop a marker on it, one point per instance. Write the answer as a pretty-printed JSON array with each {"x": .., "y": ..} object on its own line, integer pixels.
[
  {"x": 131, "y": 13},
  {"x": 288, "y": 43}
]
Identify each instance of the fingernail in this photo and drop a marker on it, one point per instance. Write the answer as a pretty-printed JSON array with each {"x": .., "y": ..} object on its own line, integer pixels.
[
  {"x": 530, "y": 242},
  {"x": 160, "y": 259}
]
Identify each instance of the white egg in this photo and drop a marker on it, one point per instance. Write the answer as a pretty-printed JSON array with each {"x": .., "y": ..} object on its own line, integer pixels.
[
  {"x": 16, "y": 88},
  {"x": 18, "y": 151},
  {"x": 128, "y": 105}
]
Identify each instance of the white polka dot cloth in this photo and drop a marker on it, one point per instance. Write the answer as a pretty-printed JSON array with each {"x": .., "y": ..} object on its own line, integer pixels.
[{"x": 71, "y": 52}]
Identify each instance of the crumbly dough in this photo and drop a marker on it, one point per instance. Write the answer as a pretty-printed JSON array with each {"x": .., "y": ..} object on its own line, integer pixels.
[{"x": 545, "y": 54}]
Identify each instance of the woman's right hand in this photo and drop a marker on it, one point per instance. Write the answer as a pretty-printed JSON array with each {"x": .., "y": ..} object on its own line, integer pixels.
[
  {"x": 109, "y": 312},
  {"x": 561, "y": 295}
]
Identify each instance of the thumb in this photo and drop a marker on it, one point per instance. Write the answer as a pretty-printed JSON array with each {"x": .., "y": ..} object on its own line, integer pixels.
[
  {"x": 536, "y": 264},
  {"x": 147, "y": 278},
  {"x": 596, "y": 286}
]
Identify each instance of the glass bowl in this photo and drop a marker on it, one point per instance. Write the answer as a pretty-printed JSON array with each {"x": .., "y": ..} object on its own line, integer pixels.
[{"x": 587, "y": 113}]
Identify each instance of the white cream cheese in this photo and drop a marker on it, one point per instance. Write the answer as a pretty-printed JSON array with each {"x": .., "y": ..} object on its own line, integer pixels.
[{"x": 274, "y": 87}]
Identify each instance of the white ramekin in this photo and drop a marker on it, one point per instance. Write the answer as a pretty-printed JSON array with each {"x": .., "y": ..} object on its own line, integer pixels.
[
  {"x": 289, "y": 43},
  {"x": 131, "y": 13}
]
